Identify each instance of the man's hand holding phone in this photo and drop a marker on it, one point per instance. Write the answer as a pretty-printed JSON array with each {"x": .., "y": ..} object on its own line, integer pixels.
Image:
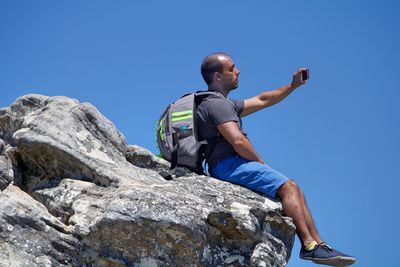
[{"x": 300, "y": 77}]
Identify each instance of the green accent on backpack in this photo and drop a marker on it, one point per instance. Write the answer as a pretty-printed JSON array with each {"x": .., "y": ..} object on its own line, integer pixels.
[
  {"x": 181, "y": 113},
  {"x": 182, "y": 118},
  {"x": 161, "y": 127}
]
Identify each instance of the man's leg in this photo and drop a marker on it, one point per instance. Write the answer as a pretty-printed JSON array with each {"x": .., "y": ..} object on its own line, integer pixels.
[
  {"x": 309, "y": 220},
  {"x": 293, "y": 206},
  {"x": 262, "y": 178}
]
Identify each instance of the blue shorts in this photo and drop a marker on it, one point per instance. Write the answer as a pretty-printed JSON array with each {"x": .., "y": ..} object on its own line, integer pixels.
[{"x": 250, "y": 174}]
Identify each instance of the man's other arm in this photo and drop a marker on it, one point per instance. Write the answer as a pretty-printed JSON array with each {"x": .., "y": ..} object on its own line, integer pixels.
[
  {"x": 269, "y": 98},
  {"x": 240, "y": 143}
]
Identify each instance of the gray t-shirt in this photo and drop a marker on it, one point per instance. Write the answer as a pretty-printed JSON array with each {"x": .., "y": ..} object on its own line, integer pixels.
[{"x": 213, "y": 111}]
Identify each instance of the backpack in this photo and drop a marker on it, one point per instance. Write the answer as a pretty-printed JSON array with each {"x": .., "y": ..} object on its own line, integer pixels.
[{"x": 177, "y": 135}]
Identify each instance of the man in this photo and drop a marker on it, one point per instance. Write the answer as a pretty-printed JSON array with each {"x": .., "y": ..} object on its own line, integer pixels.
[{"x": 233, "y": 158}]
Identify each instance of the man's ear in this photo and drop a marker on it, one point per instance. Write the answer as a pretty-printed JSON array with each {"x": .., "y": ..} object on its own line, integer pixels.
[{"x": 217, "y": 76}]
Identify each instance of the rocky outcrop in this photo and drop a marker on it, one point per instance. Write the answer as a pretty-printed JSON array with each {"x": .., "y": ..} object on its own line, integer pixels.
[
  {"x": 6, "y": 172},
  {"x": 75, "y": 194}
]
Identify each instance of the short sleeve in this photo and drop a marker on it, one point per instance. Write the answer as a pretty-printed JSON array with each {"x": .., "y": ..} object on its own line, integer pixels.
[{"x": 239, "y": 105}]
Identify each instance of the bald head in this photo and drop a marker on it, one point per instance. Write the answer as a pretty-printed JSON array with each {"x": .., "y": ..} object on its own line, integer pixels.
[{"x": 213, "y": 63}]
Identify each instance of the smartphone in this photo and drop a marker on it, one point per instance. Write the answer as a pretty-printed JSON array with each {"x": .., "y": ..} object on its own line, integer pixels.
[{"x": 305, "y": 74}]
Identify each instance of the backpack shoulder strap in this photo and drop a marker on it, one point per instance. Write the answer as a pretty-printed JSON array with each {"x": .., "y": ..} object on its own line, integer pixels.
[{"x": 205, "y": 93}]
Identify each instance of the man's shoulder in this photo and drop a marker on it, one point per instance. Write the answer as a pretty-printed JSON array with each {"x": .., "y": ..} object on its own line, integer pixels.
[
  {"x": 211, "y": 101},
  {"x": 215, "y": 103}
]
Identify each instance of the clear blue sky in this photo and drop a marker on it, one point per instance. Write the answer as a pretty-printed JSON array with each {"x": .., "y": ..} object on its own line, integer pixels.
[{"x": 338, "y": 136}]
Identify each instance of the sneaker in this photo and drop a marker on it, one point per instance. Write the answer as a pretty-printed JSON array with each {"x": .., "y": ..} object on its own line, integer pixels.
[{"x": 324, "y": 254}]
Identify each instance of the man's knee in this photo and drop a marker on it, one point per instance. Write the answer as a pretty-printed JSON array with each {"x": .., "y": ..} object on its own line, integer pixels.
[{"x": 289, "y": 187}]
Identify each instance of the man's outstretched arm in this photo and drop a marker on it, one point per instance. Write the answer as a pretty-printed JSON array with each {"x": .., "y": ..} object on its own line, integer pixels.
[
  {"x": 269, "y": 98},
  {"x": 239, "y": 142}
]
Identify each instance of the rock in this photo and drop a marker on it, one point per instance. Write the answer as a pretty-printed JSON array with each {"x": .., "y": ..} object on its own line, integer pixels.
[
  {"x": 89, "y": 199},
  {"x": 143, "y": 158},
  {"x": 30, "y": 235},
  {"x": 6, "y": 171},
  {"x": 2, "y": 147}
]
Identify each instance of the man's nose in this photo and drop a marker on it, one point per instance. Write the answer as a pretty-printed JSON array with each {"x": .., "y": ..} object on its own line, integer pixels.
[{"x": 237, "y": 72}]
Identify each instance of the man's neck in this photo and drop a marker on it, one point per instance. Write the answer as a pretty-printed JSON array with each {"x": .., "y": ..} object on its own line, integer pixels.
[{"x": 222, "y": 91}]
